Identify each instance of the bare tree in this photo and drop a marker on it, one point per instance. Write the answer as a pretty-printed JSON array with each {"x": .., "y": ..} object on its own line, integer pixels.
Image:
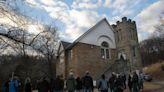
[
  {"x": 46, "y": 43},
  {"x": 152, "y": 49},
  {"x": 16, "y": 37},
  {"x": 159, "y": 28}
]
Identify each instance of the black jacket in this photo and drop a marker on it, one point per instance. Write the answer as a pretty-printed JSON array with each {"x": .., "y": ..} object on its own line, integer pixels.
[
  {"x": 87, "y": 82},
  {"x": 58, "y": 84},
  {"x": 43, "y": 86}
]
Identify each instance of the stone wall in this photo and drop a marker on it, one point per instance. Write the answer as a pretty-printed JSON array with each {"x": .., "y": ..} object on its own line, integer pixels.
[
  {"x": 126, "y": 39},
  {"x": 87, "y": 57}
]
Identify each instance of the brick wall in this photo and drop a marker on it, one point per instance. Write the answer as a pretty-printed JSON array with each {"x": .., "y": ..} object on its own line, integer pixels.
[{"x": 87, "y": 57}]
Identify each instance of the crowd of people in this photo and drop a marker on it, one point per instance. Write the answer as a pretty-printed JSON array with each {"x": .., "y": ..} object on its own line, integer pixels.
[
  {"x": 115, "y": 83},
  {"x": 118, "y": 82}
]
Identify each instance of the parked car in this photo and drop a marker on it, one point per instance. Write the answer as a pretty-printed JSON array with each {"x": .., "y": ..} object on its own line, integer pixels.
[{"x": 148, "y": 78}]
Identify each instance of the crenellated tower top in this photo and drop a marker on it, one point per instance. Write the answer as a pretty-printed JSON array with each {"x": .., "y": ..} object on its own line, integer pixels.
[{"x": 127, "y": 40}]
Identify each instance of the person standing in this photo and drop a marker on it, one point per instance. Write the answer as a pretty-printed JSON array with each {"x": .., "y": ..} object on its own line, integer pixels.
[
  {"x": 58, "y": 84},
  {"x": 79, "y": 84},
  {"x": 6, "y": 86},
  {"x": 103, "y": 84},
  {"x": 141, "y": 81},
  {"x": 62, "y": 82},
  {"x": 28, "y": 85},
  {"x": 118, "y": 84},
  {"x": 88, "y": 83},
  {"x": 17, "y": 84},
  {"x": 38, "y": 85},
  {"x": 112, "y": 80},
  {"x": 124, "y": 80},
  {"x": 12, "y": 87},
  {"x": 135, "y": 84},
  {"x": 130, "y": 82},
  {"x": 71, "y": 83},
  {"x": 43, "y": 86}
]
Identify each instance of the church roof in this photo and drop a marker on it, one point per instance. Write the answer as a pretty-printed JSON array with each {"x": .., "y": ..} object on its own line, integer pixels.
[
  {"x": 82, "y": 36},
  {"x": 65, "y": 44},
  {"x": 98, "y": 23}
]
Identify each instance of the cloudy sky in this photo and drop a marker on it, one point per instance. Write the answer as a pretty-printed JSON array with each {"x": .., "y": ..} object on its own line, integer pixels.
[{"x": 74, "y": 17}]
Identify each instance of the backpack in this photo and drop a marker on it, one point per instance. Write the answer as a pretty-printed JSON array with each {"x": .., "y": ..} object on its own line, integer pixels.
[{"x": 88, "y": 81}]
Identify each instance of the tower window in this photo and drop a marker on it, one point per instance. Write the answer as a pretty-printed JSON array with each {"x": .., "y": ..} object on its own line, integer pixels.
[
  {"x": 122, "y": 55},
  {"x": 134, "y": 51},
  {"x": 105, "y": 53},
  {"x": 131, "y": 34}
]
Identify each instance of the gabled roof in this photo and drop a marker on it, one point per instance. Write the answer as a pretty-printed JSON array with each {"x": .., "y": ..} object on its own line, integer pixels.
[
  {"x": 65, "y": 44},
  {"x": 82, "y": 36},
  {"x": 98, "y": 23}
]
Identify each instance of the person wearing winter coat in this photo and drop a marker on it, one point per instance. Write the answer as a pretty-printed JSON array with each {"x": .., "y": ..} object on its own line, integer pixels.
[
  {"x": 118, "y": 84},
  {"x": 71, "y": 83},
  {"x": 79, "y": 84},
  {"x": 43, "y": 86},
  {"x": 130, "y": 82},
  {"x": 135, "y": 82},
  {"x": 28, "y": 85},
  {"x": 141, "y": 81},
  {"x": 112, "y": 80},
  {"x": 6, "y": 86},
  {"x": 103, "y": 84},
  {"x": 124, "y": 80},
  {"x": 87, "y": 83},
  {"x": 13, "y": 85},
  {"x": 58, "y": 85}
]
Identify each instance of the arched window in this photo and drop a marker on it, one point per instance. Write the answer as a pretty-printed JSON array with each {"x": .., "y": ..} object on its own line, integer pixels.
[
  {"x": 105, "y": 52},
  {"x": 122, "y": 55}
]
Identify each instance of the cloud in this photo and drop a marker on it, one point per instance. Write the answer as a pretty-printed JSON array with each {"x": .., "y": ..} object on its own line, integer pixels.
[
  {"x": 76, "y": 17},
  {"x": 122, "y": 7},
  {"x": 78, "y": 21},
  {"x": 108, "y": 3},
  {"x": 86, "y": 4},
  {"x": 83, "y": 18},
  {"x": 75, "y": 22},
  {"x": 149, "y": 17}
]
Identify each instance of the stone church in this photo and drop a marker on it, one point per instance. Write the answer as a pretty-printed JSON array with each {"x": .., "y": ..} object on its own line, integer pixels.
[{"x": 103, "y": 49}]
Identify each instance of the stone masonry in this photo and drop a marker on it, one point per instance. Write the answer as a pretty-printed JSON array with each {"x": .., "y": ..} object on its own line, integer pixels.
[{"x": 127, "y": 41}]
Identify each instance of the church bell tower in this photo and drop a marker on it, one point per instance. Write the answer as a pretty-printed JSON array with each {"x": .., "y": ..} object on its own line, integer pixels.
[{"x": 127, "y": 42}]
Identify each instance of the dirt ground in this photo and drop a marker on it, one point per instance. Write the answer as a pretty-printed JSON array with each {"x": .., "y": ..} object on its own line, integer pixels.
[{"x": 154, "y": 87}]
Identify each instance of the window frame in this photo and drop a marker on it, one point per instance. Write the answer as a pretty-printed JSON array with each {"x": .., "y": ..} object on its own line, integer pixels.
[{"x": 105, "y": 50}]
